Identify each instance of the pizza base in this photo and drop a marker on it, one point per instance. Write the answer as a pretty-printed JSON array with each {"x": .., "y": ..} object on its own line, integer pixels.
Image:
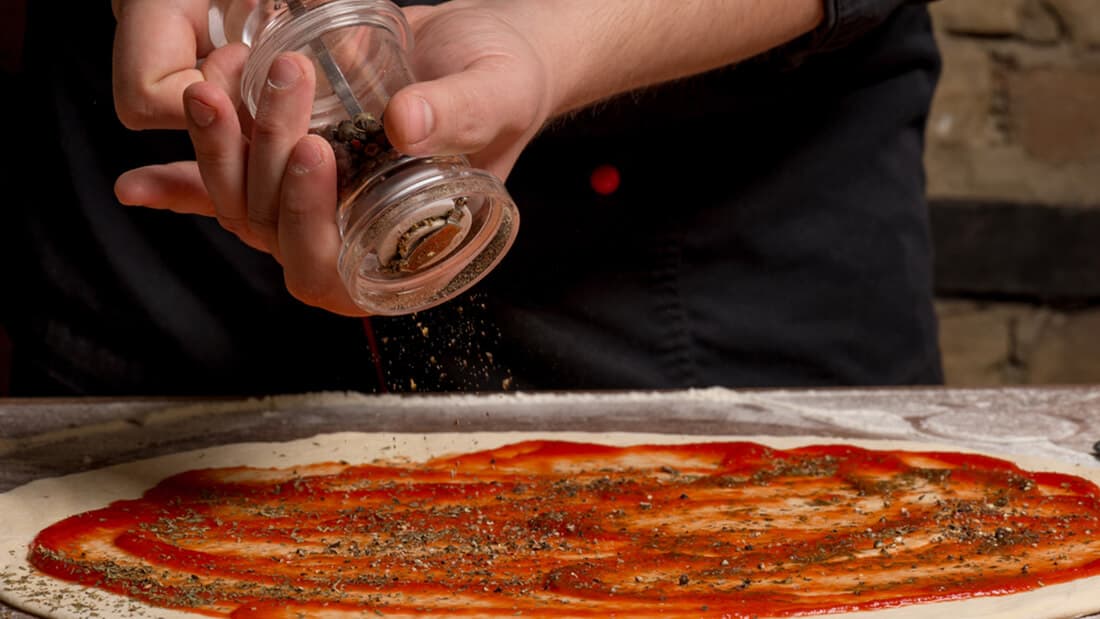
[{"x": 29, "y": 508}]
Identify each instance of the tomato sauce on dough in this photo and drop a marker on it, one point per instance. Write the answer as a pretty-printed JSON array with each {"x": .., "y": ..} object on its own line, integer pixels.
[{"x": 556, "y": 529}]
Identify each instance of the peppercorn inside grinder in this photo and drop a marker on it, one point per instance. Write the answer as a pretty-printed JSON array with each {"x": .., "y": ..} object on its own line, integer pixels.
[{"x": 416, "y": 231}]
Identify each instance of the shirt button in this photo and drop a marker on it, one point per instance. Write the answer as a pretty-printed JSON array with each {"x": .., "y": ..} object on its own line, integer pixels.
[{"x": 605, "y": 179}]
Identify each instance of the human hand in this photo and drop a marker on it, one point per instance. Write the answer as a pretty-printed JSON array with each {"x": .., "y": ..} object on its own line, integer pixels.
[
  {"x": 492, "y": 72},
  {"x": 276, "y": 190},
  {"x": 157, "y": 50},
  {"x": 483, "y": 89}
]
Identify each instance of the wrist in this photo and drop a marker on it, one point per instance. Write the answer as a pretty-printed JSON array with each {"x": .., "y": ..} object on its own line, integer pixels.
[
  {"x": 595, "y": 50},
  {"x": 556, "y": 31},
  {"x": 542, "y": 28}
]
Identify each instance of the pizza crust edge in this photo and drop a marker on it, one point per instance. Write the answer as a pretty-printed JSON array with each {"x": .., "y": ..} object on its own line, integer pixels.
[{"x": 29, "y": 508}]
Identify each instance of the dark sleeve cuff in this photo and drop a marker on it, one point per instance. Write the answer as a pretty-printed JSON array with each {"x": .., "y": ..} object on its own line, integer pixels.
[{"x": 845, "y": 22}]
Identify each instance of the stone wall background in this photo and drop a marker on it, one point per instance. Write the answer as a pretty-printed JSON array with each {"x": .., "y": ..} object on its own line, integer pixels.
[
  {"x": 1006, "y": 343},
  {"x": 1017, "y": 120},
  {"x": 1017, "y": 112}
]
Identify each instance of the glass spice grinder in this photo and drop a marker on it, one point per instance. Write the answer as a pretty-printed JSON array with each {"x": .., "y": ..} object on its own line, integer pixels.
[{"x": 416, "y": 231}]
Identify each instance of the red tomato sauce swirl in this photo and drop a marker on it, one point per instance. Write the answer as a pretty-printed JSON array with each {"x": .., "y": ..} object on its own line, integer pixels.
[{"x": 553, "y": 529}]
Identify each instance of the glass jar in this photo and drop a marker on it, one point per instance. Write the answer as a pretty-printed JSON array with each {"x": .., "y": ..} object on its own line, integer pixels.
[{"x": 416, "y": 231}]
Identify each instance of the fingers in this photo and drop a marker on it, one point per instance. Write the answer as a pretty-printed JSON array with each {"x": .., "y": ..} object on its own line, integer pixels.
[
  {"x": 308, "y": 237},
  {"x": 174, "y": 187},
  {"x": 452, "y": 115},
  {"x": 220, "y": 152},
  {"x": 277, "y": 191},
  {"x": 223, "y": 67},
  {"x": 471, "y": 112},
  {"x": 492, "y": 108},
  {"x": 177, "y": 187},
  {"x": 156, "y": 48},
  {"x": 282, "y": 118}
]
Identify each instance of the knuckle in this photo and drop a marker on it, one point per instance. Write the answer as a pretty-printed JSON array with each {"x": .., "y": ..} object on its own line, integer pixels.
[
  {"x": 134, "y": 118},
  {"x": 234, "y": 224},
  {"x": 209, "y": 153},
  {"x": 263, "y": 227},
  {"x": 265, "y": 127},
  {"x": 213, "y": 155},
  {"x": 296, "y": 213},
  {"x": 471, "y": 129},
  {"x": 262, "y": 224},
  {"x": 136, "y": 108}
]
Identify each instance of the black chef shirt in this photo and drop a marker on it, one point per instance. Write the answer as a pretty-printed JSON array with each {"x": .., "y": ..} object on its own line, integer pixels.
[{"x": 769, "y": 229}]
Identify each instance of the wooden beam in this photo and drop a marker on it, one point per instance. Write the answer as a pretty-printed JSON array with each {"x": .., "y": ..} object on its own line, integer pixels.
[{"x": 1001, "y": 249}]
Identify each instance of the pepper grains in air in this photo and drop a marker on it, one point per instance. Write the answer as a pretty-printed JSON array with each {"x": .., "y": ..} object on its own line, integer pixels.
[{"x": 360, "y": 147}]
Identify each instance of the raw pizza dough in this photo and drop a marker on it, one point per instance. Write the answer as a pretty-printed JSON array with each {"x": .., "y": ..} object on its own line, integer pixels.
[{"x": 28, "y": 509}]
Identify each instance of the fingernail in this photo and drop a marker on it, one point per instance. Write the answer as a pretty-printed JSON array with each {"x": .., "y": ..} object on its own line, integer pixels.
[
  {"x": 305, "y": 158},
  {"x": 423, "y": 120},
  {"x": 283, "y": 73},
  {"x": 201, "y": 113}
]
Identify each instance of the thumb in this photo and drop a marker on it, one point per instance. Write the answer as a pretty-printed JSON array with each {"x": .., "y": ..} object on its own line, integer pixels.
[{"x": 465, "y": 112}]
